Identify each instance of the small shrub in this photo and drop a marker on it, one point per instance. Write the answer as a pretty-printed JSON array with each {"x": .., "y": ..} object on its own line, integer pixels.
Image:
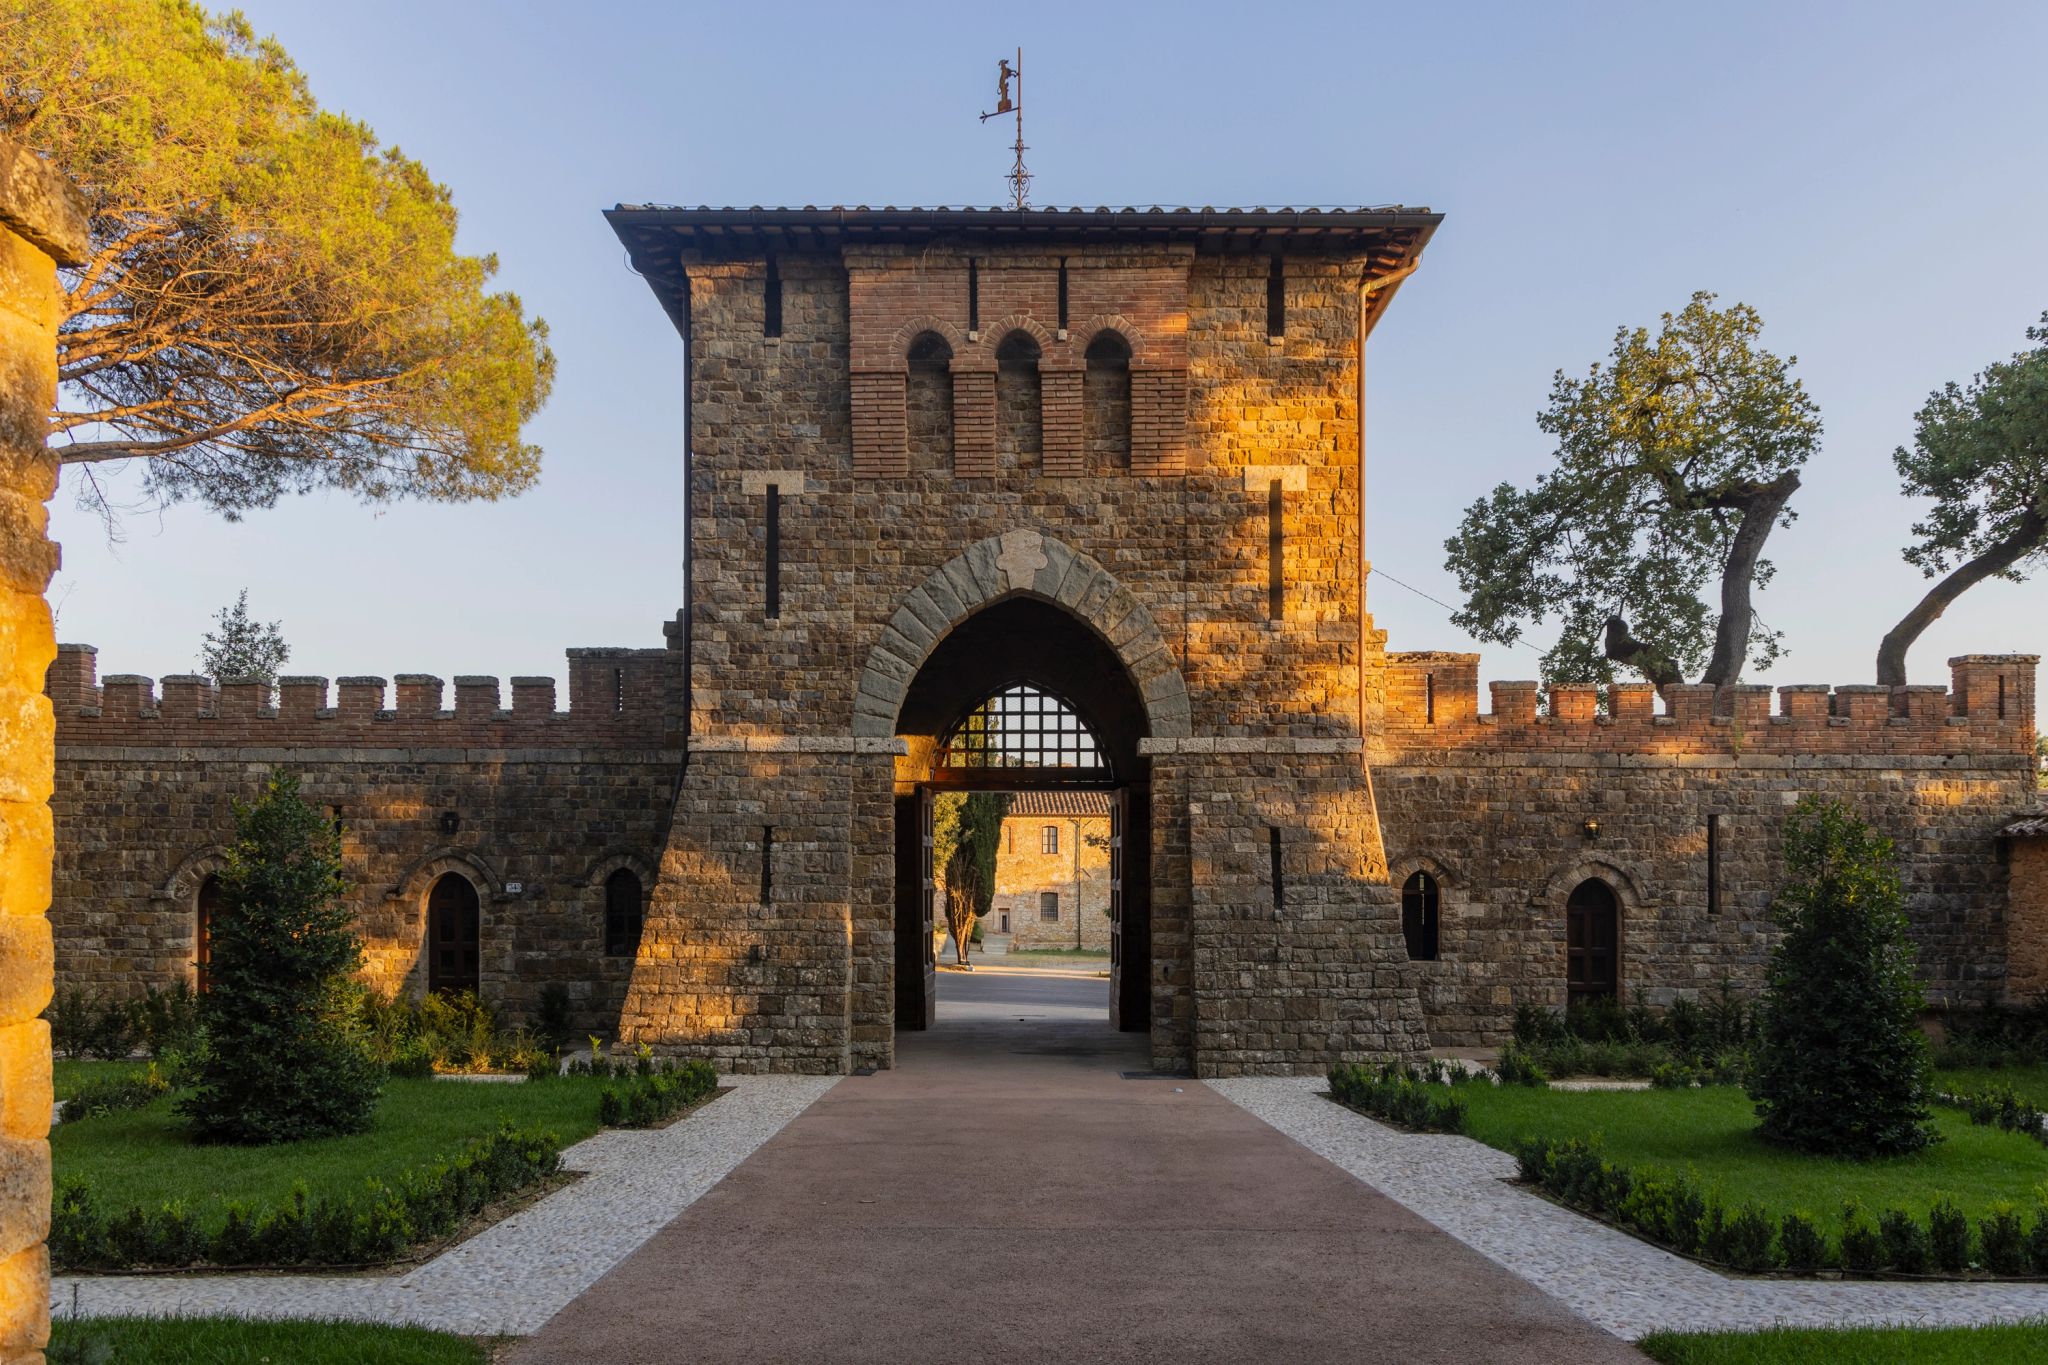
[
  {"x": 96, "y": 1098},
  {"x": 1516, "y": 1066},
  {"x": 1949, "y": 1232},
  {"x": 1906, "y": 1246},
  {"x": 167, "y": 1020},
  {"x": 2037, "y": 1241},
  {"x": 2004, "y": 1240},
  {"x": 1863, "y": 1247},
  {"x": 109, "y": 1034},
  {"x": 1532, "y": 1160},
  {"x": 552, "y": 1021},
  {"x": 1672, "y": 1076},
  {"x": 1804, "y": 1249},
  {"x": 1535, "y": 1024},
  {"x": 1742, "y": 1240},
  {"x": 1841, "y": 1064},
  {"x": 646, "y": 1100},
  {"x": 1403, "y": 1095}
]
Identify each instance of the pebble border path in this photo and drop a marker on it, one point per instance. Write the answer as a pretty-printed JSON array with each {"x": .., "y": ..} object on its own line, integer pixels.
[
  {"x": 1629, "y": 1287},
  {"x": 515, "y": 1275}
]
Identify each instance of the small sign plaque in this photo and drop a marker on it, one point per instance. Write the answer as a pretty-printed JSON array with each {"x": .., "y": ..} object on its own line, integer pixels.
[{"x": 514, "y": 888}]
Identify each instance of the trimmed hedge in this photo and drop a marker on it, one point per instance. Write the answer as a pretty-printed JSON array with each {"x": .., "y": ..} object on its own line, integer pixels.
[
  {"x": 1673, "y": 1212},
  {"x": 653, "y": 1095},
  {"x": 2000, "y": 1106},
  {"x": 373, "y": 1228},
  {"x": 1413, "y": 1097},
  {"x": 112, "y": 1096}
]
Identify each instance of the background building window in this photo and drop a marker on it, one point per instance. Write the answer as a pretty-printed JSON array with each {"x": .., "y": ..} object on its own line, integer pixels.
[
  {"x": 1049, "y": 906},
  {"x": 1049, "y": 839},
  {"x": 1419, "y": 917},
  {"x": 624, "y": 914}
]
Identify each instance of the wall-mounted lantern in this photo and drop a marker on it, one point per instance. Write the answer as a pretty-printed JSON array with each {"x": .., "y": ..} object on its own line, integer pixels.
[
  {"x": 450, "y": 822},
  {"x": 1591, "y": 829}
]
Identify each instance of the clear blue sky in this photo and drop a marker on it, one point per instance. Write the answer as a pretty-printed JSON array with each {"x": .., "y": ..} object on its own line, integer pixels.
[{"x": 1871, "y": 177}]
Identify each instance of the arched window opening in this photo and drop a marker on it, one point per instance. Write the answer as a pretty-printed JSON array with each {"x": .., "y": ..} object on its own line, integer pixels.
[
  {"x": 1419, "y": 917},
  {"x": 624, "y": 914},
  {"x": 204, "y": 907},
  {"x": 1024, "y": 726},
  {"x": 928, "y": 403},
  {"x": 454, "y": 956},
  {"x": 1106, "y": 403},
  {"x": 1592, "y": 920},
  {"x": 1019, "y": 430}
]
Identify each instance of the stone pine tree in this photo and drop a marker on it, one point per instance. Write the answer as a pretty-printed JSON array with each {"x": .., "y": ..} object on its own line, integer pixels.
[
  {"x": 280, "y": 1064},
  {"x": 1981, "y": 453},
  {"x": 967, "y": 830},
  {"x": 1841, "y": 1065},
  {"x": 273, "y": 302},
  {"x": 242, "y": 649},
  {"x": 1675, "y": 461}
]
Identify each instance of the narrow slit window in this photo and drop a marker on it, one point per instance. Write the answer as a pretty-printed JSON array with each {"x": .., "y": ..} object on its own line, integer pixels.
[
  {"x": 774, "y": 551},
  {"x": 1713, "y": 864},
  {"x": 1063, "y": 293},
  {"x": 1429, "y": 698},
  {"x": 618, "y": 690},
  {"x": 1276, "y": 300},
  {"x": 973, "y": 294},
  {"x": 1276, "y": 552},
  {"x": 767, "y": 864},
  {"x": 2001, "y": 696},
  {"x": 1273, "y": 858},
  {"x": 771, "y": 319}
]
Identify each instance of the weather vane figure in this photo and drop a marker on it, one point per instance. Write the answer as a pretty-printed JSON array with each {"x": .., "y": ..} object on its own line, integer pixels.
[{"x": 1019, "y": 178}]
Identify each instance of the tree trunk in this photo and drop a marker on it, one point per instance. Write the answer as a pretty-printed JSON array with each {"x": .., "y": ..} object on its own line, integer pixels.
[
  {"x": 1760, "y": 510},
  {"x": 1624, "y": 648},
  {"x": 1891, "y": 655}
]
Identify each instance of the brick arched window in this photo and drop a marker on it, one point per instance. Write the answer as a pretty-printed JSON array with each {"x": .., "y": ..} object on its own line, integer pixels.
[
  {"x": 1419, "y": 917},
  {"x": 928, "y": 403},
  {"x": 1106, "y": 403},
  {"x": 1020, "y": 430},
  {"x": 204, "y": 907},
  {"x": 625, "y": 914}
]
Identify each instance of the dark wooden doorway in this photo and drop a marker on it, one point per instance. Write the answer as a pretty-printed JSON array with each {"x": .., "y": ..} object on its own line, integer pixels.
[
  {"x": 917, "y": 969},
  {"x": 1592, "y": 936},
  {"x": 454, "y": 949}
]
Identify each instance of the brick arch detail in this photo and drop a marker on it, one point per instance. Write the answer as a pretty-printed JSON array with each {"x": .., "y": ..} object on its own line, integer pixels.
[
  {"x": 183, "y": 884},
  {"x": 1628, "y": 894},
  {"x": 1052, "y": 355},
  {"x": 918, "y": 326},
  {"x": 1020, "y": 564},
  {"x": 1083, "y": 336}
]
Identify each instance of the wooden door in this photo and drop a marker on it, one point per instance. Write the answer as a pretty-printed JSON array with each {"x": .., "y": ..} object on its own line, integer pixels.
[
  {"x": 927, "y": 902},
  {"x": 1118, "y": 813},
  {"x": 203, "y": 914},
  {"x": 1592, "y": 941},
  {"x": 454, "y": 947}
]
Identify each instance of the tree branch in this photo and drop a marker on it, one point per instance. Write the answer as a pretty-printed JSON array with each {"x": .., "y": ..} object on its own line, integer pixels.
[{"x": 2024, "y": 538}]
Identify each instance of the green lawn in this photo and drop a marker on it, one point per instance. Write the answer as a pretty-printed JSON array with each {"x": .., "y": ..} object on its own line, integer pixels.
[
  {"x": 1853, "y": 1346},
  {"x": 143, "y": 1157},
  {"x": 1711, "y": 1133},
  {"x": 69, "y": 1075},
  {"x": 233, "y": 1341},
  {"x": 2031, "y": 1082}
]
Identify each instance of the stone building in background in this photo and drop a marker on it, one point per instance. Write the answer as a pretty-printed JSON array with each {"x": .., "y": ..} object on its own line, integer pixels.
[
  {"x": 1059, "y": 500},
  {"x": 1052, "y": 872}
]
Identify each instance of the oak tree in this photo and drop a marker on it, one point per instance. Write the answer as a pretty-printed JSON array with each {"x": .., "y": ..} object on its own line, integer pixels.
[
  {"x": 1981, "y": 453},
  {"x": 1675, "y": 460},
  {"x": 273, "y": 302}
]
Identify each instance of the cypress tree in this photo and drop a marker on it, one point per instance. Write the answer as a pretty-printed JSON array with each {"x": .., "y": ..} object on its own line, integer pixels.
[
  {"x": 1841, "y": 1066},
  {"x": 280, "y": 1064}
]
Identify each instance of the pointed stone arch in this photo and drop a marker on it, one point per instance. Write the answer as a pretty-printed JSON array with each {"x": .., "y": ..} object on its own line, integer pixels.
[
  {"x": 1020, "y": 564},
  {"x": 1627, "y": 891}
]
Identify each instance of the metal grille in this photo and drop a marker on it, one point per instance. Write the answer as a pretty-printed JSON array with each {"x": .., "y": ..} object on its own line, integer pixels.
[{"x": 1022, "y": 727}]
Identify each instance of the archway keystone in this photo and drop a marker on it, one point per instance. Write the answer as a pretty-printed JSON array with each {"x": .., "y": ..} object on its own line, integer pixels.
[{"x": 1020, "y": 563}]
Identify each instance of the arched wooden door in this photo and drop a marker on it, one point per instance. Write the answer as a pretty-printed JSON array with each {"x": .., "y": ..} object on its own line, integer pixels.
[
  {"x": 203, "y": 911},
  {"x": 453, "y": 935},
  {"x": 1592, "y": 935}
]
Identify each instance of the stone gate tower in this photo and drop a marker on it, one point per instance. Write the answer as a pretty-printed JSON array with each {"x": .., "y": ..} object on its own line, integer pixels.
[{"x": 1111, "y": 458}]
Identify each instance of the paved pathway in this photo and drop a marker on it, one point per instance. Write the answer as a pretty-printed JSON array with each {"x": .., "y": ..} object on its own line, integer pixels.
[{"x": 1005, "y": 1195}]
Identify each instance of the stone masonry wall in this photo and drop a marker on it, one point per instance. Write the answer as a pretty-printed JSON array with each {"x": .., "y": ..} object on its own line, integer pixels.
[
  {"x": 1025, "y": 872},
  {"x": 42, "y": 224}
]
